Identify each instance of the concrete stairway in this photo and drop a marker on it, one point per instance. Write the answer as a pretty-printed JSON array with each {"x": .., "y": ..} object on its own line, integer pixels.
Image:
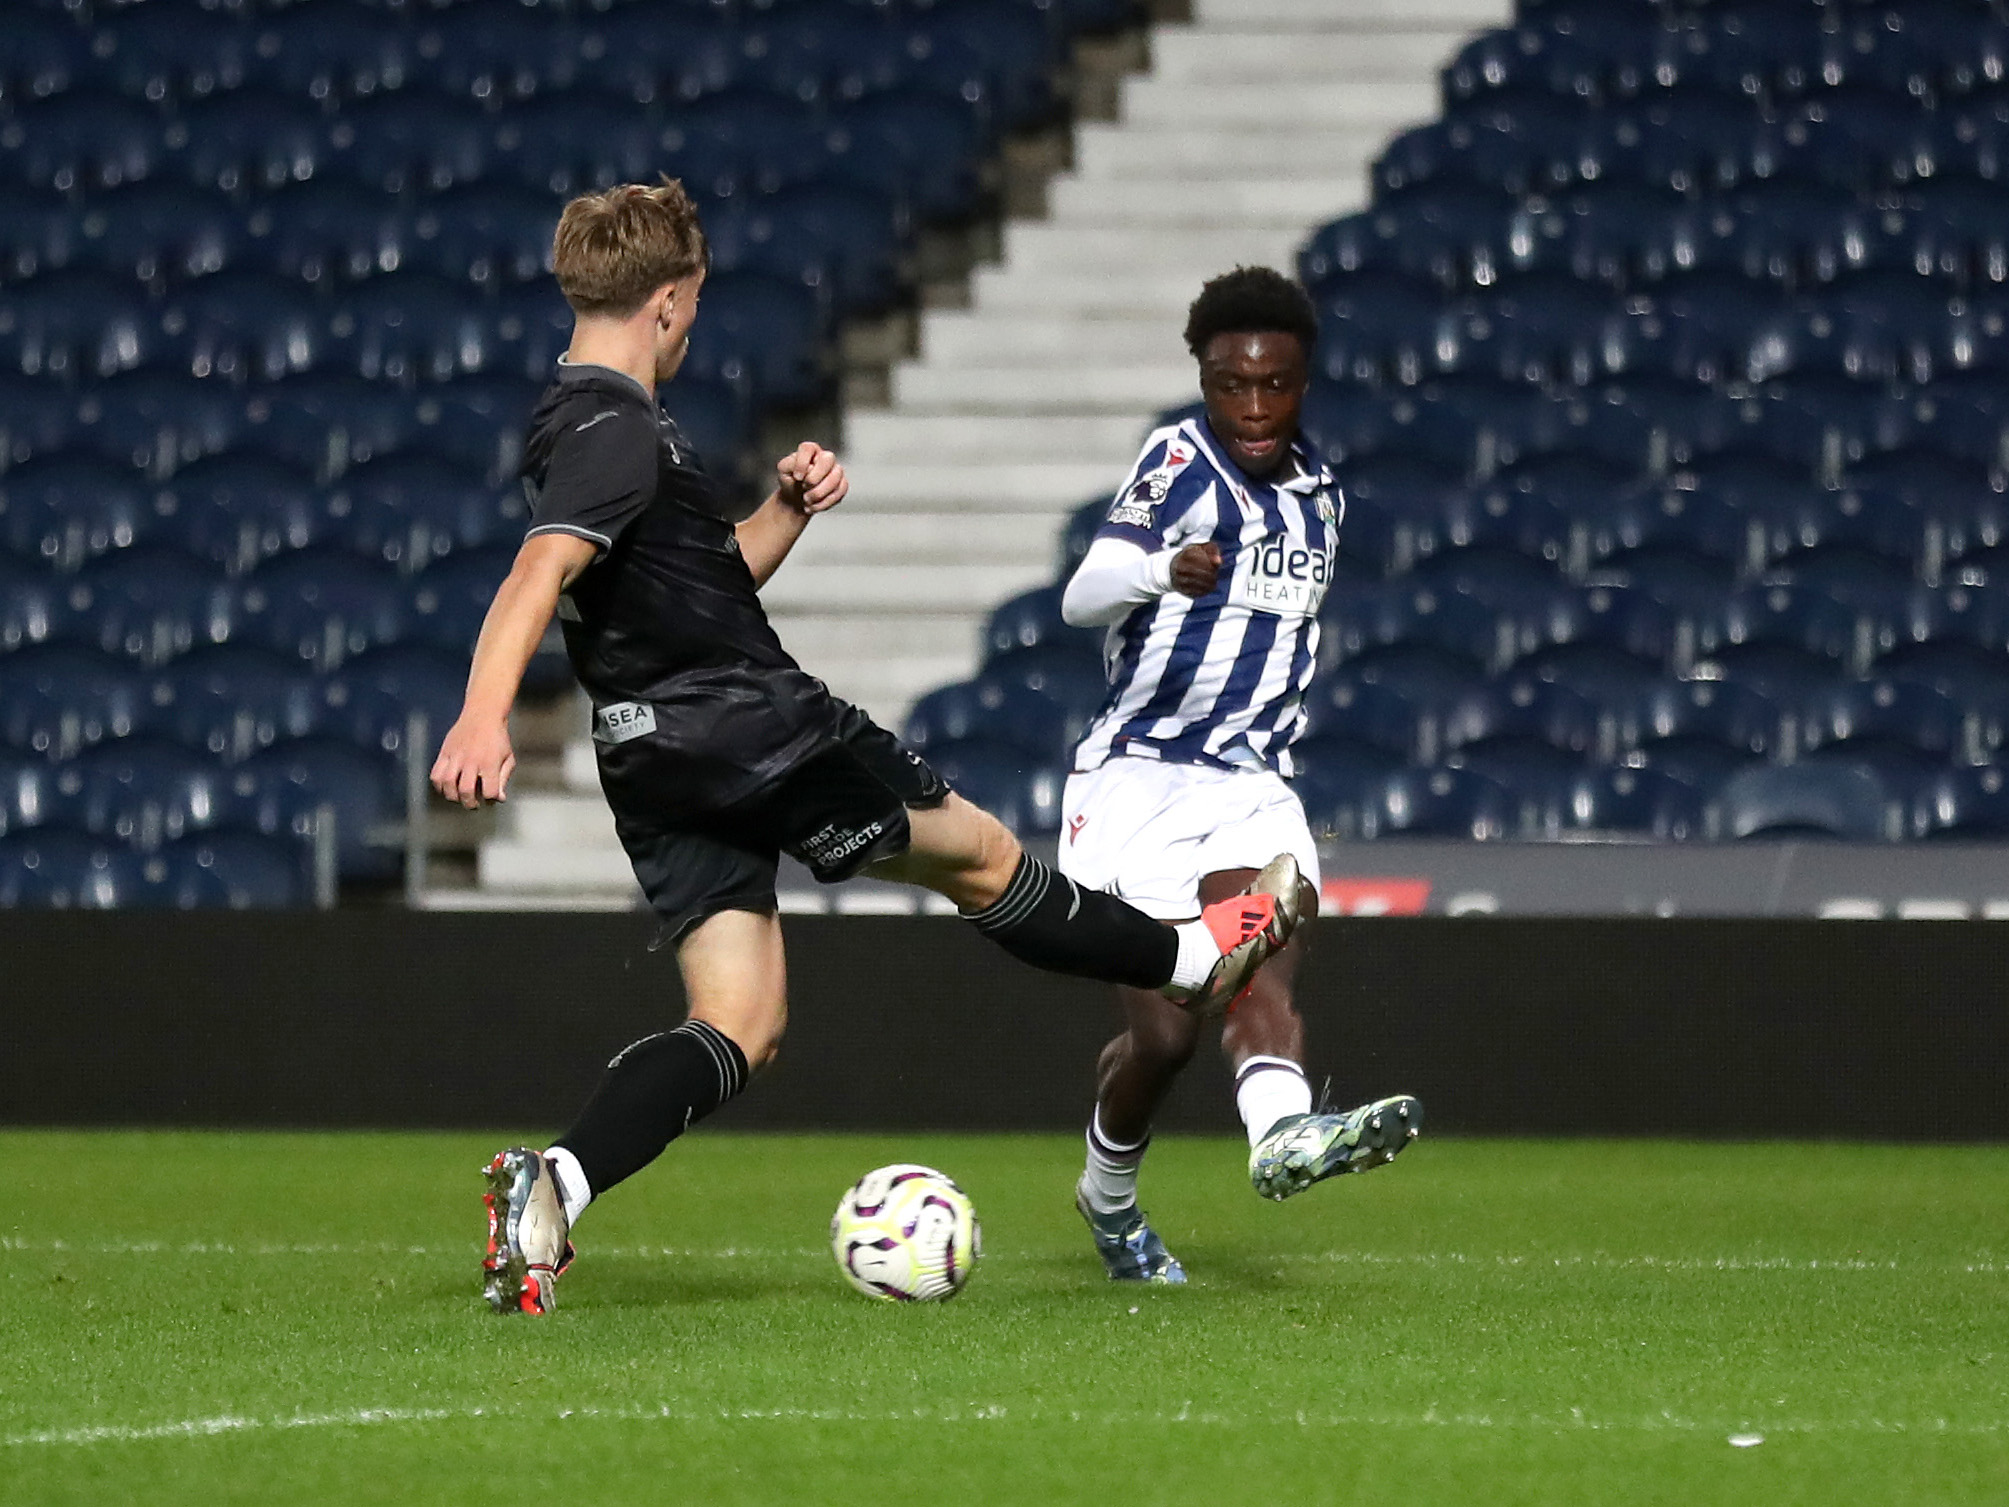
[{"x": 1256, "y": 123}]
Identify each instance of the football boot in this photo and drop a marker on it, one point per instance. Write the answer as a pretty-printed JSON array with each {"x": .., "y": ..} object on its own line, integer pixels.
[
  {"x": 1129, "y": 1247},
  {"x": 1300, "y": 1150},
  {"x": 527, "y": 1246}
]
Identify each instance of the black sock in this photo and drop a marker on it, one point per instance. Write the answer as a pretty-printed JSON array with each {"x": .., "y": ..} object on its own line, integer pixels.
[
  {"x": 1049, "y": 921},
  {"x": 653, "y": 1092}
]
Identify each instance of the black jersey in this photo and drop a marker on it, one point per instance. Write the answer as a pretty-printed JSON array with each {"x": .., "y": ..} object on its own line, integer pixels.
[{"x": 696, "y": 703}]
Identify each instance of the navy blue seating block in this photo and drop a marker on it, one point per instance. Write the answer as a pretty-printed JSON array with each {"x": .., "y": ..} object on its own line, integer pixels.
[
  {"x": 140, "y": 792},
  {"x": 1964, "y": 804},
  {"x": 230, "y": 871},
  {"x": 151, "y": 605},
  {"x": 232, "y": 700},
  {"x": 250, "y": 140},
  {"x": 239, "y": 510},
  {"x": 157, "y": 422},
  {"x": 62, "y": 870},
  {"x": 1453, "y": 803},
  {"x": 1032, "y": 620},
  {"x": 1845, "y": 801},
  {"x": 1020, "y": 790},
  {"x": 58, "y": 698},
  {"x": 280, "y": 792},
  {"x": 33, "y": 604},
  {"x": 372, "y": 697},
  {"x": 764, "y": 330},
  {"x": 68, "y": 510},
  {"x": 1065, "y": 673},
  {"x": 992, "y": 711},
  {"x": 28, "y": 796},
  {"x": 410, "y": 510},
  {"x": 323, "y": 606},
  {"x": 1637, "y": 802}
]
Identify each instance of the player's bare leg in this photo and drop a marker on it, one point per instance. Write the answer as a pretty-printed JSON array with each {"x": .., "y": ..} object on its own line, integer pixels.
[
  {"x": 966, "y": 855},
  {"x": 736, "y": 982}
]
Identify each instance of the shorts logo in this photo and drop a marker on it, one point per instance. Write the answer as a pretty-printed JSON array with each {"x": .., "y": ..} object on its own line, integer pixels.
[
  {"x": 623, "y": 722},
  {"x": 830, "y": 847},
  {"x": 1075, "y": 824}
]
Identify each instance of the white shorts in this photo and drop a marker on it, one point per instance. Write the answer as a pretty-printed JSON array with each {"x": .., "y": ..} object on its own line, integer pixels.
[{"x": 1147, "y": 830}]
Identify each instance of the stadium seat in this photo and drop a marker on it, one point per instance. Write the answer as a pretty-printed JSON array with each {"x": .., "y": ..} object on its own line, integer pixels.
[
  {"x": 238, "y": 510},
  {"x": 241, "y": 326},
  {"x": 231, "y": 871},
  {"x": 326, "y": 232},
  {"x": 916, "y": 147},
  {"x": 232, "y": 700},
  {"x": 1020, "y": 790},
  {"x": 1970, "y": 805},
  {"x": 1345, "y": 717},
  {"x": 65, "y": 511},
  {"x": 157, "y": 422},
  {"x": 322, "y": 607},
  {"x": 409, "y": 510},
  {"x": 81, "y": 140},
  {"x": 413, "y": 141},
  {"x": 1780, "y": 640},
  {"x": 1896, "y": 726},
  {"x": 250, "y": 141},
  {"x": 1066, "y": 673},
  {"x": 1080, "y": 532},
  {"x": 649, "y": 56},
  {"x": 281, "y": 791},
  {"x": 1453, "y": 803},
  {"x": 715, "y": 418},
  {"x": 409, "y": 327},
  {"x": 60, "y": 870},
  {"x": 1340, "y": 784},
  {"x": 1357, "y": 623},
  {"x": 140, "y": 793},
  {"x": 322, "y": 423},
  {"x": 151, "y": 605},
  {"x": 1547, "y": 327},
  {"x": 490, "y": 235},
  {"x": 172, "y": 56},
  {"x": 1524, "y": 723},
  {"x": 27, "y": 792},
  {"x": 1698, "y": 730},
  {"x": 157, "y": 233},
  {"x": 42, "y": 55},
  {"x": 1633, "y": 802},
  {"x": 1798, "y": 801},
  {"x": 1379, "y": 326},
  {"x": 995, "y": 712},
  {"x": 478, "y": 423},
  {"x": 1019, "y": 45},
  {"x": 56, "y": 699},
  {"x": 332, "y": 54},
  {"x": 33, "y": 605},
  {"x": 73, "y": 326},
  {"x": 845, "y": 240},
  {"x": 1712, "y": 327},
  {"x": 36, "y": 418},
  {"x": 1451, "y": 234},
  {"x": 768, "y": 328},
  {"x": 1032, "y": 620},
  {"x": 497, "y": 56},
  {"x": 1621, "y": 234}
]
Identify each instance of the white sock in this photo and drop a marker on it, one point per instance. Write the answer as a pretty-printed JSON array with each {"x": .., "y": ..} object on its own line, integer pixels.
[
  {"x": 573, "y": 1188},
  {"x": 1110, "y": 1183},
  {"x": 1267, "y": 1089},
  {"x": 1198, "y": 953}
]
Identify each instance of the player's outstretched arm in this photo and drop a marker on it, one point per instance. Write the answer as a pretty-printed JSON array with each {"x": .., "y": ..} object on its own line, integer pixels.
[
  {"x": 475, "y": 758},
  {"x": 809, "y": 481},
  {"x": 1117, "y": 575}
]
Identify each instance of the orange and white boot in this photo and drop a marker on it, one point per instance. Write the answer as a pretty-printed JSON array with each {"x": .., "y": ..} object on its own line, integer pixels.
[
  {"x": 527, "y": 1246},
  {"x": 1248, "y": 928}
]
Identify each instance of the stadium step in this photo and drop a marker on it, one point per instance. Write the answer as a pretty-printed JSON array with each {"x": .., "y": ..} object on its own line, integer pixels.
[
  {"x": 1224, "y": 152},
  {"x": 1115, "y": 390},
  {"x": 1261, "y": 204},
  {"x": 1329, "y": 103},
  {"x": 1070, "y": 247},
  {"x": 1032, "y": 487},
  {"x": 901, "y": 587},
  {"x": 864, "y": 537},
  {"x": 992, "y": 337},
  {"x": 990, "y": 437},
  {"x": 1454, "y": 16},
  {"x": 1183, "y": 56}
]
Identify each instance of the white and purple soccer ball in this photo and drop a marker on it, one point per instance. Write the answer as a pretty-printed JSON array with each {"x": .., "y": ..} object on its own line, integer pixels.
[{"x": 907, "y": 1234}]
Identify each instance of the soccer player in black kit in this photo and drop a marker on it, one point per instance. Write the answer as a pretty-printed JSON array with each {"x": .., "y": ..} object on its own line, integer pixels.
[{"x": 717, "y": 752}]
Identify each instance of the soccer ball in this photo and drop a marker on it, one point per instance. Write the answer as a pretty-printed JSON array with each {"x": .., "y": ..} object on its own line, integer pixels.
[{"x": 906, "y": 1233}]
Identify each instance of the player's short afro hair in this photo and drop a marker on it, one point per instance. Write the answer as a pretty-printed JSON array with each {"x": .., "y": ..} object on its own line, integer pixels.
[{"x": 1250, "y": 301}]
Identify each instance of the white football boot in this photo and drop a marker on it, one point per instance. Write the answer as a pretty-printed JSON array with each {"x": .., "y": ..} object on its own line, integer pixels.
[{"x": 527, "y": 1246}]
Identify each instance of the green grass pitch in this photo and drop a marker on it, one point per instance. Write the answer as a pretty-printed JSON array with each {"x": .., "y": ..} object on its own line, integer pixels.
[{"x": 293, "y": 1319}]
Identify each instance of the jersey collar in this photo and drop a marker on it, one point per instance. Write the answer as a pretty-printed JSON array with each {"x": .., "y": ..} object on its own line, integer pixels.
[
  {"x": 580, "y": 371},
  {"x": 1311, "y": 473}
]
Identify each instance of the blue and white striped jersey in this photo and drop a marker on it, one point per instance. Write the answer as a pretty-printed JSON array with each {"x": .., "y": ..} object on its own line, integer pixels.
[{"x": 1218, "y": 679}]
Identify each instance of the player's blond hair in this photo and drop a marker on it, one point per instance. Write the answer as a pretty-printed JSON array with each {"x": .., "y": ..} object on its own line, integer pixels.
[{"x": 616, "y": 247}]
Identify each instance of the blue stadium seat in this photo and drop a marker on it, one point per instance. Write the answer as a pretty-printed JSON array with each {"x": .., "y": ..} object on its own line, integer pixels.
[
  {"x": 36, "y": 418},
  {"x": 528, "y": 328},
  {"x": 1451, "y": 234},
  {"x": 157, "y": 233},
  {"x": 747, "y": 141},
  {"x": 150, "y": 605},
  {"x": 1525, "y": 724},
  {"x": 1713, "y": 327},
  {"x": 172, "y": 55},
  {"x": 995, "y": 712},
  {"x": 58, "y": 698},
  {"x": 497, "y": 56},
  {"x": 1523, "y": 59},
  {"x": 652, "y": 57},
  {"x": 478, "y": 423},
  {"x": 1635, "y": 802},
  {"x": 919, "y": 148},
  {"x": 232, "y": 700},
  {"x": 327, "y": 232},
  {"x": 33, "y": 605},
  {"x": 1761, "y": 49},
  {"x": 231, "y": 871},
  {"x": 769, "y": 329},
  {"x": 1019, "y": 44},
  {"x": 1019, "y": 790},
  {"x": 1826, "y": 423},
  {"x": 323, "y": 607},
  {"x": 322, "y": 423},
  {"x": 1070, "y": 675},
  {"x": 243, "y": 326},
  {"x": 1697, "y": 730},
  {"x": 60, "y": 870},
  {"x": 1376, "y": 326},
  {"x": 412, "y": 141},
  {"x": 1032, "y": 620},
  {"x": 280, "y": 791},
  {"x": 1689, "y": 139},
  {"x": 407, "y": 327},
  {"x": 237, "y": 510},
  {"x": 333, "y": 54},
  {"x": 494, "y": 234},
  {"x": 1899, "y": 728},
  {"x": 714, "y": 417},
  {"x": 1358, "y": 623},
  {"x": 65, "y": 511},
  {"x": 1798, "y": 801},
  {"x": 81, "y": 140},
  {"x": 71, "y": 326},
  {"x": 1343, "y": 717},
  {"x": 156, "y": 422},
  {"x": 1621, "y": 234},
  {"x": 1341, "y": 786},
  {"x": 1441, "y": 803},
  {"x": 28, "y": 795},
  {"x": 1079, "y": 531},
  {"x": 1781, "y": 640},
  {"x": 372, "y": 697},
  {"x": 41, "y": 54},
  {"x": 1970, "y": 805},
  {"x": 250, "y": 141},
  {"x": 1858, "y": 133},
  {"x": 1808, "y": 234},
  {"x": 844, "y": 240},
  {"x": 1606, "y": 675},
  {"x": 1960, "y": 228},
  {"x": 141, "y": 793},
  {"x": 410, "y": 510},
  {"x": 1975, "y": 678},
  {"x": 1657, "y": 422}
]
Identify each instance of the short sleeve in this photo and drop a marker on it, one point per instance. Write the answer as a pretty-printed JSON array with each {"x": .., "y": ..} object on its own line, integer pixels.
[
  {"x": 602, "y": 474},
  {"x": 1160, "y": 489}
]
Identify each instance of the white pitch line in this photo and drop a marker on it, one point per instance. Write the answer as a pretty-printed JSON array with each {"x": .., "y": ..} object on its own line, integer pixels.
[
  {"x": 1576, "y": 1421},
  {"x": 1598, "y": 1260}
]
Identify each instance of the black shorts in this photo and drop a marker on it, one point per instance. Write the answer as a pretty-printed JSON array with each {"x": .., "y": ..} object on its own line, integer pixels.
[{"x": 842, "y": 808}]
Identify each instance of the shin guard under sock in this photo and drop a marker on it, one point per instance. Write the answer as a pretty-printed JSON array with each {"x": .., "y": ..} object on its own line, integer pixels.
[
  {"x": 653, "y": 1092},
  {"x": 1049, "y": 921}
]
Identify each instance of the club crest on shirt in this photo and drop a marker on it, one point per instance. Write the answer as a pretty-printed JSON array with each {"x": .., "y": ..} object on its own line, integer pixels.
[
  {"x": 1321, "y": 502},
  {"x": 1150, "y": 489}
]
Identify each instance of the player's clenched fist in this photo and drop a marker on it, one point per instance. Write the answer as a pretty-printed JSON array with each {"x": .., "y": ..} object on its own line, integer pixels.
[
  {"x": 1195, "y": 569},
  {"x": 812, "y": 480},
  {"x": 474, "y": 764}
]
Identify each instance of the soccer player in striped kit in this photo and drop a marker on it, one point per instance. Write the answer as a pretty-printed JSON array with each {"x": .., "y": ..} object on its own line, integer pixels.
[{"x": 1208, "y": 574}]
